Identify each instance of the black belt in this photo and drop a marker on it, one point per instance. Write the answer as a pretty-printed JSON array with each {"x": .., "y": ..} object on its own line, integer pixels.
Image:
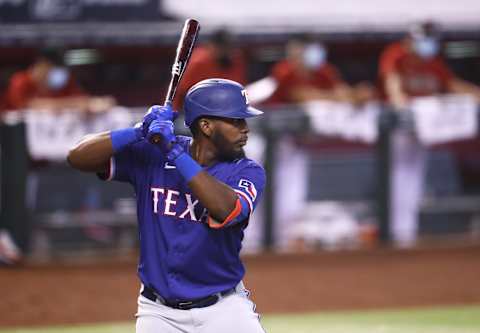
[{"x": 185, "y": 305}]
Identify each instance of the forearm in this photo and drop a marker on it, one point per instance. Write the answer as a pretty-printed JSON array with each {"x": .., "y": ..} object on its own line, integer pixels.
[
  {"x": 59, "y": 103},
  {"x": 92, "y": 153},
  {"x": 79, "y": 102},
  {"x": 343, "y": 93},
  {"x": 463, "y": 87},
  {"x": 394, "y": 91},
  {"x": 219, "y": 199},
  {"x": 306, "y": 94}
]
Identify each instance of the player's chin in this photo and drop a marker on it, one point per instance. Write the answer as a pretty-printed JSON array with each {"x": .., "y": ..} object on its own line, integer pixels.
[
  {"x": 233, "y": 154},
  {"x": 240, "y": 153}
]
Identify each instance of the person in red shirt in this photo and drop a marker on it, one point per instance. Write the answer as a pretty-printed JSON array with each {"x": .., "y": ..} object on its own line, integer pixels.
[
  {"x": 413, "y": 67},
  {"x": 49, "y": 84},
  {"x": 218, "y": 59},
  {"x": 305, "y": 75}
]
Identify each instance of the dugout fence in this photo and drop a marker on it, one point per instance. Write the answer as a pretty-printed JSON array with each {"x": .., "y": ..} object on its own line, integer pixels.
[{"x": 52, "y": 208}]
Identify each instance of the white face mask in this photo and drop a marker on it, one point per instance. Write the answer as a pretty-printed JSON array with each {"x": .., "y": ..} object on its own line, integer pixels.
[
  {"x": 426, "y": 47},
  {"x": 314, "y": 56},
  {"x": 57, "y": 78}
]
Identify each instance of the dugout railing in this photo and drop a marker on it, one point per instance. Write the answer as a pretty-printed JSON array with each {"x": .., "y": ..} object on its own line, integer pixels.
[{"x": 449, "y": 213}]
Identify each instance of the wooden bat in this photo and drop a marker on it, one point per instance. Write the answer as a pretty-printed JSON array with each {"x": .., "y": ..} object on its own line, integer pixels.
[{"x": 184, "y": 51}]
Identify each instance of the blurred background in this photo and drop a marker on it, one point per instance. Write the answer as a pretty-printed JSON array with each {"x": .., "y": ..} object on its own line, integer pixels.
[{"x": 369, "y": 139}]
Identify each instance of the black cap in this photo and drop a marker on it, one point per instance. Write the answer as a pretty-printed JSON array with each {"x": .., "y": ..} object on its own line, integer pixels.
[
  {"x": 54, "y": 55},
  {"x": 222, "y": 37},
  {"x": 304, "y": 38},
  {"x": 425, "y": 29}
]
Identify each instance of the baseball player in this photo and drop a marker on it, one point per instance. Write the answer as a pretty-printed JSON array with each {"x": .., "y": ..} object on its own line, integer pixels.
[{"x": 194, "y": 199}]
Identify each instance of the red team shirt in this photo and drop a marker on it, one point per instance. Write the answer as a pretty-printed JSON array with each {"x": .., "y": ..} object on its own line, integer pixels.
[
  {"x": 287, "y": 76},
  {"x": 22, "y": 89},
  {"x": 419, "y": 77}
]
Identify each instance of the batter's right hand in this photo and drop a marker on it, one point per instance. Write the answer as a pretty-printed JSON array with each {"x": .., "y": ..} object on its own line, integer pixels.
[
  {"x": 157, "y": 112},
  {"x": 163, "y": 129}
]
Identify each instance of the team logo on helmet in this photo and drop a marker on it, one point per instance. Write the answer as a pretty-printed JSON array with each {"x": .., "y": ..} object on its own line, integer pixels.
[{"x": 244, "y": 94}]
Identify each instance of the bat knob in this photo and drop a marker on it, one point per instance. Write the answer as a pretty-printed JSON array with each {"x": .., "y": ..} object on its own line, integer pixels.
[{"x": 156, "y": 139}]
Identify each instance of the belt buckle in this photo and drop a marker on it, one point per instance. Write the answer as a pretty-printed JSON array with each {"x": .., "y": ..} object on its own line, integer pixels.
[{"x": 184, "y": 305}]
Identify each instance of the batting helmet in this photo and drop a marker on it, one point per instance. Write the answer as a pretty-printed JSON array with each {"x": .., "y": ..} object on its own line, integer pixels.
[{"x": 217, "y": 97}]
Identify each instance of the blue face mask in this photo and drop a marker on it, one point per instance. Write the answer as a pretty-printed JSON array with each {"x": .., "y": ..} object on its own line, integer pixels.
[
  {"x": 426, "y": 47},
  {"x": 314, "y": 56},
  {"x": 57, "y": 78}
]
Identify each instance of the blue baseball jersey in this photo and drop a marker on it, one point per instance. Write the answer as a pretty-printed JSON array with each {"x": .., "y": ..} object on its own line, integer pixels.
[{"x": 181, "y": 257}]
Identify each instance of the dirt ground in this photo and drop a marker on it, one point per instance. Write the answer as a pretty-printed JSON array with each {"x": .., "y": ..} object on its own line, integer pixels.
[{"x": 106, "y": 291}]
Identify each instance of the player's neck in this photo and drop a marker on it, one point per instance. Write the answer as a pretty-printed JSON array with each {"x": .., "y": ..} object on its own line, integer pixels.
[{"x": 203, "y": 152}]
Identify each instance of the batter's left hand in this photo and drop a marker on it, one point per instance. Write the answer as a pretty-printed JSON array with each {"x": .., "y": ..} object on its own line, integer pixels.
[
  {"x": 157, "y": 112},
  {"x": 164, "y": 129}
]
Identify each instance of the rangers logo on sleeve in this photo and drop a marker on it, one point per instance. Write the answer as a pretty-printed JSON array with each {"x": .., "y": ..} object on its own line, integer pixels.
[{"x": 249, "y": 187}]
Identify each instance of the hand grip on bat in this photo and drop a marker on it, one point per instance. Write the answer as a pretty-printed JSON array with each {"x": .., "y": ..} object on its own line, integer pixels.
[
  {"x": 164, "y": 130},
  {"x": 161, "y": 113}
]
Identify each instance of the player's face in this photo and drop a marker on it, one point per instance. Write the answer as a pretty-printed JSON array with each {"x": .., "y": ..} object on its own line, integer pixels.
[{"x": 229, "y": 137}]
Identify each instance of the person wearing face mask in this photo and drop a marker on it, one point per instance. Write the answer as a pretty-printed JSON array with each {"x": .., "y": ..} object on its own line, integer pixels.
[
  {"x": 216, "y": 58},
  {"x": 49, "y": 84},
  {"x": 44, "y": 84},
  {"x": 414, "y": 67},
  {"x": 306, "y": 75}
]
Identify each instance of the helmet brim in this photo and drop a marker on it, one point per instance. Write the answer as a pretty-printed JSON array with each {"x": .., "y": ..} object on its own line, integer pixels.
[
  {"x": 253, "y": 112},
  {"x": 249, "y": 112}
]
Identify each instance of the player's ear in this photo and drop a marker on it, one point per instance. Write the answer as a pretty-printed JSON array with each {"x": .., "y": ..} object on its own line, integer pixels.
[{"x": 206, "y": 126}]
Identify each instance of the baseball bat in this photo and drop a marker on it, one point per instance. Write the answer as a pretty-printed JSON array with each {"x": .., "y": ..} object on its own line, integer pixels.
[{"x": 184, "y": 51}]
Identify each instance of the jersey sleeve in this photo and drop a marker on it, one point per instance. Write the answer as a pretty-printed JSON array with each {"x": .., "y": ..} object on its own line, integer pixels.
[
  {"x": 17, "y": 92},
  {"x": 446, "y": 75},
  {"x": 282, "y": 72},
  {"x": 136, "y": 162},
  {"x": 120, "y": 167},
  {"x": 389, "y": 59},
  {"x": 74, "y": 89},
  {"x": 333, "y": 74},
  {"x": 248, "y": 183},
  {"x": 285, "y": 78},
  {"x": 127, "y": 164}
]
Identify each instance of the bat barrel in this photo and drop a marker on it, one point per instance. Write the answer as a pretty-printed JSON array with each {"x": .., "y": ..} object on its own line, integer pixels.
[{"x": 184, "y": 51}]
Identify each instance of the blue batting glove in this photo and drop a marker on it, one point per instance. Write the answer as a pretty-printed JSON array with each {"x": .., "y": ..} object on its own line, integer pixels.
[
  {"x": 164, "y": 129},
  {"x": 160, "y": 112}
]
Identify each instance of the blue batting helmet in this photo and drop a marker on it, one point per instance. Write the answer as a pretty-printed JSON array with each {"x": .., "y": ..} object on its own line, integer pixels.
[{"x": 217, "y": 97}]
